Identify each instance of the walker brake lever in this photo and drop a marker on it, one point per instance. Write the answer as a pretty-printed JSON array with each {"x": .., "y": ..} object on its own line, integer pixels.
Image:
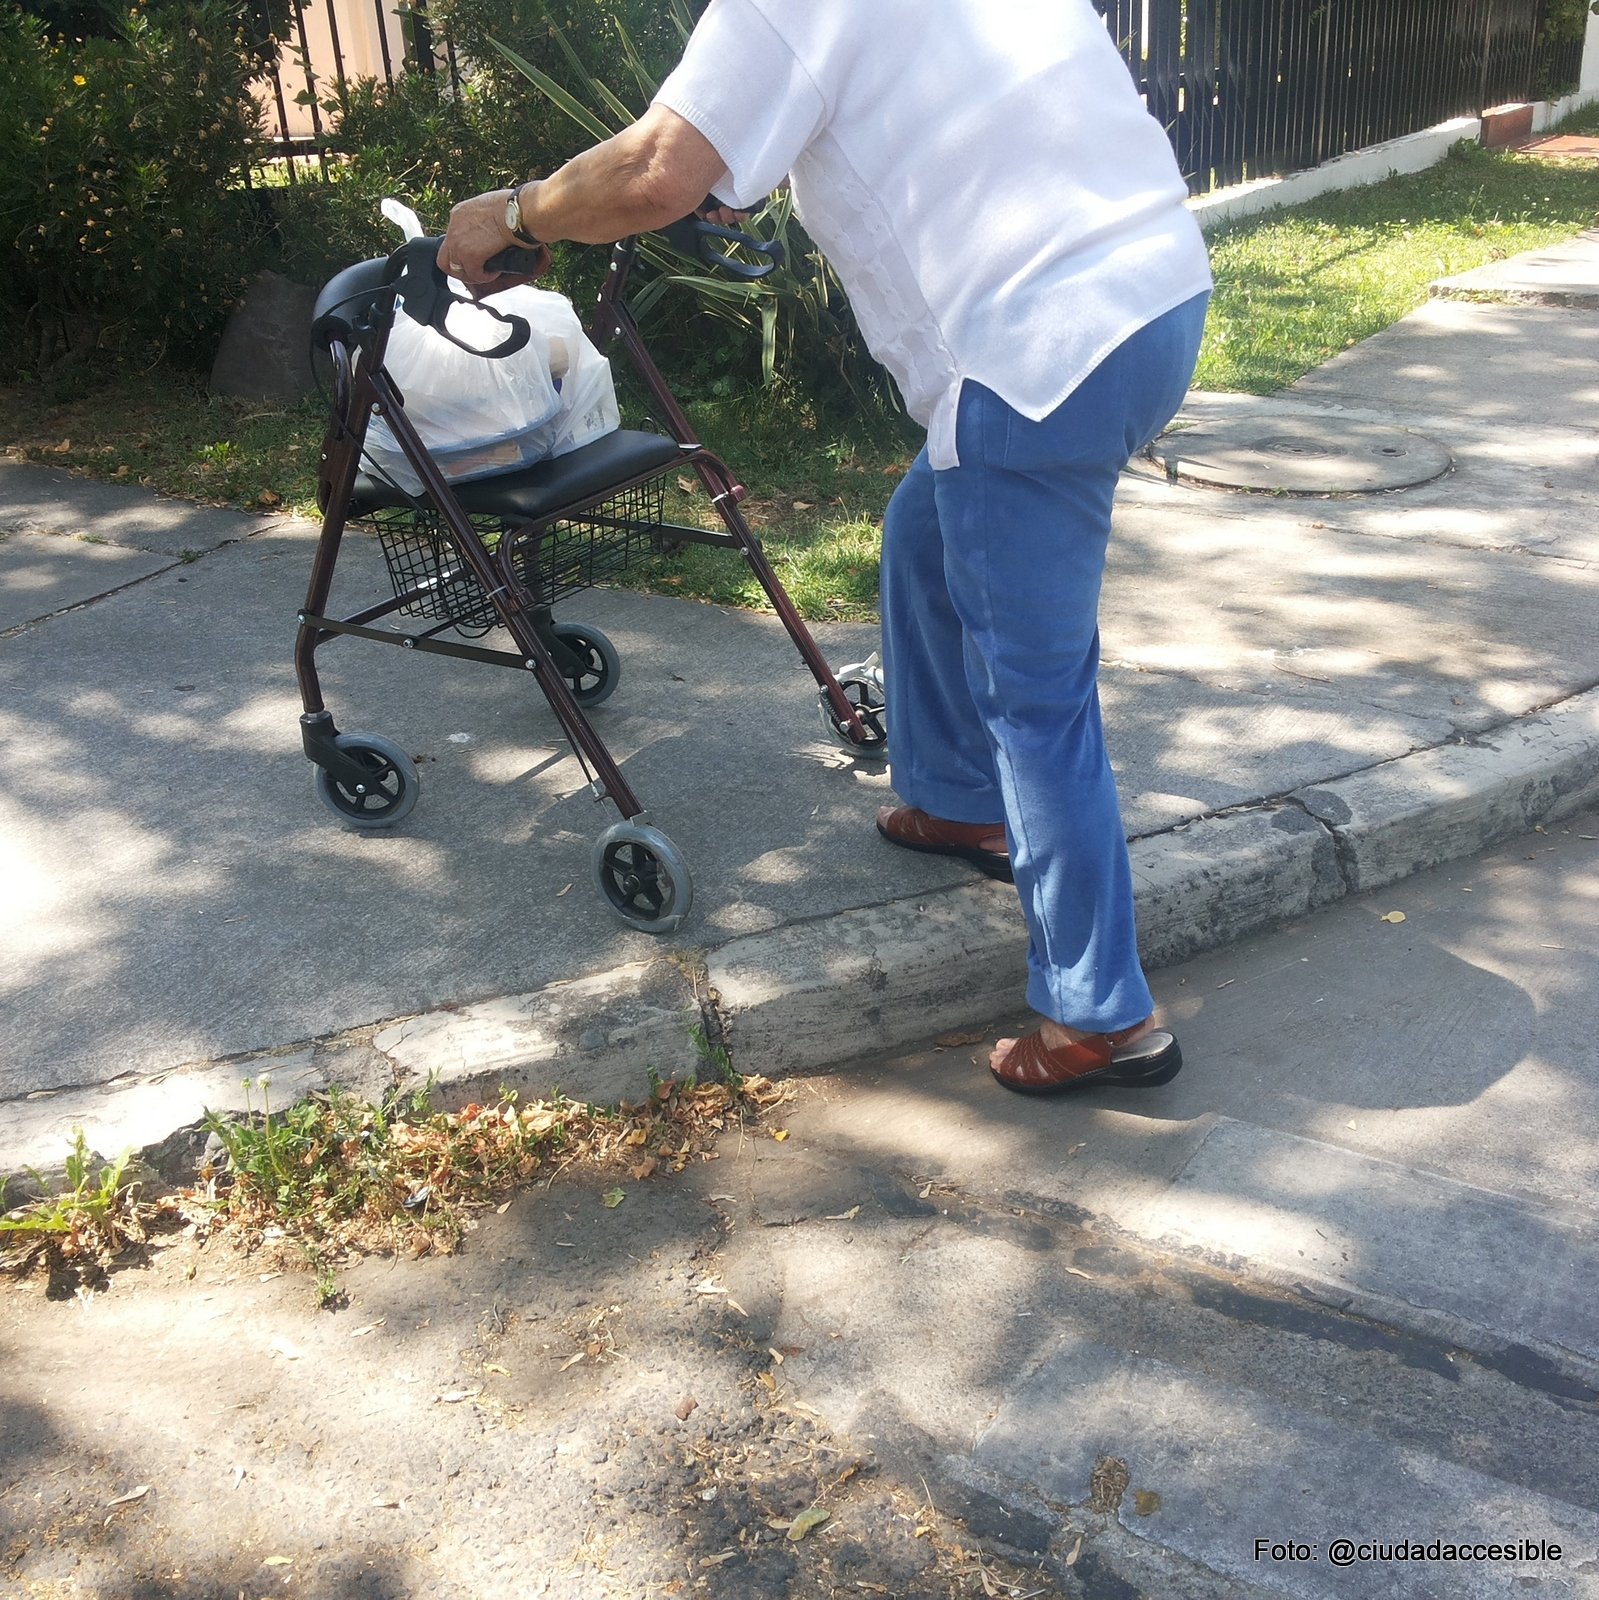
[{"x": 424, "y": 294}]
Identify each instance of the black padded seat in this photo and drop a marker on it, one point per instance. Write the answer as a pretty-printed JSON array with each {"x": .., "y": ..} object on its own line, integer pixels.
[{"x": 534, "y": 492}]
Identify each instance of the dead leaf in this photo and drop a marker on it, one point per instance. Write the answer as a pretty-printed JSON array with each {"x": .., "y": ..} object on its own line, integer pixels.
[
  {"x": 1077, "y": 1550},
  {"x": 456, "y": 1396},
  {"x": 733, "y": 1305},
  {"x": 958, "y": 1041},
  {"x": 504, "y": 1372},
  {"x": 571, "y": 1361},
  {"x": 685, "y": 1408},
  {"x": 845, "y": 1216},
  {"x": 687, "y": 485},
  {"x": 278, "y": 1561},
  {"x": 500, "y": 1210},
  {"x": 643, "y": 1170},
  {"x": 717, "y": 1560},
  {"x": 612, "y": 1198},
  {"x": 385, "y": 1505},
  {"x": 780, "y": 1134},
  {"x": 371, "y": 1327},
  {"x": 768, "y": 1381},
  {"x": 288, "y": 1350},
  {"x": 1396, "y": 917},
  {"x": 805, "y": 1521},
  {"x": 1146, "y": 1502},
  {"x": 63, "y": 448},
  {"x": 803, "y": 505},
  {"x": 269, "y": 497},
  {"x": 128, "y": 1498}
]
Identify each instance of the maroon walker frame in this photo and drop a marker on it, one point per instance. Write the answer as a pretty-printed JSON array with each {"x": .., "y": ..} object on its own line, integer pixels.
[{"x": 369, "y": 781}]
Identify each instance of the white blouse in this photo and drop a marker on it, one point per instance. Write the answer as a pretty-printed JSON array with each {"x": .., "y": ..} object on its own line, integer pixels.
[{"x": 982, "y": 174}]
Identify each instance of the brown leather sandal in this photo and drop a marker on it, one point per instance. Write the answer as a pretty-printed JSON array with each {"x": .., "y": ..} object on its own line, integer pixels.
[
  {"x": 1103, "y": 1059},
  {"x": 981, "y": 843}
]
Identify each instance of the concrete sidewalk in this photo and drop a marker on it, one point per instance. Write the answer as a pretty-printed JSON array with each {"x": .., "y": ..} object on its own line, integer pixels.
[{"x": 1306, "y": 696}]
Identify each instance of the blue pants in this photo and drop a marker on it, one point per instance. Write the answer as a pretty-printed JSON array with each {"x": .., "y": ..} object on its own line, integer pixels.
[{"x": 990, "y": 595}]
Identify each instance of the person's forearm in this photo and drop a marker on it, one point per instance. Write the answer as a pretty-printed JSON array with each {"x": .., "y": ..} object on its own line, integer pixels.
[{"x": 650, "y": 174}]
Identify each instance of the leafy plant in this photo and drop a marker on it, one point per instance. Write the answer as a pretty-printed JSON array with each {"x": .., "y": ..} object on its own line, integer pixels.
[
  {"x": 86, "y": 1223},
  {"x": 798, "y": 318}
]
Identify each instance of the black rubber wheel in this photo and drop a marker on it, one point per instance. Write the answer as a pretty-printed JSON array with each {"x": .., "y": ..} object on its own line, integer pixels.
[
  {"x": 601, "y": 669},
  {"x": 642, "y": 877},
  {"x": 865, "y": 693},
  {"x": 387, "y": 798}
]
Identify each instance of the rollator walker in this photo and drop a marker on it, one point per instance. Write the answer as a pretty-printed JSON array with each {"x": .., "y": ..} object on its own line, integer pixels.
[{"x": 503, "y": 551}]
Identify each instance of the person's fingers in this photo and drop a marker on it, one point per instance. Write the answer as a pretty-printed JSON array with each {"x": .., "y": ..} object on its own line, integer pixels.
[{"x": 537, "y": 264}]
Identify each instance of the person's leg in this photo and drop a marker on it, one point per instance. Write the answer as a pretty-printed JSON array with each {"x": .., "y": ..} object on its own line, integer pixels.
[
  {"x": 1025, "y": 519},
  {"x": 939, "y": 754}
]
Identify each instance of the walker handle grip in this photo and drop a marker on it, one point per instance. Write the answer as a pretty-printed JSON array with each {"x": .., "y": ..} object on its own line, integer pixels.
[
  {"x": 697, "y": 238},
  {"x": 424, "y": 294}
]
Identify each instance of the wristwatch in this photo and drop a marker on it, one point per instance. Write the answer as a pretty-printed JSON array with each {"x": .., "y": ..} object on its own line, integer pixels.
[{"x": 513, "y": 218}]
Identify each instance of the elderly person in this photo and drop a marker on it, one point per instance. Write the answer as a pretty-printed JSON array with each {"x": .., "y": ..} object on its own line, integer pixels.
[{"x": 1009, "y": 224}]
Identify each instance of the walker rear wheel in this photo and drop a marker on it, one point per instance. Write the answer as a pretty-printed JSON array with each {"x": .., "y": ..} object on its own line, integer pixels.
[
  {"x": 642, "y": 877},
  {"x": 600, "y": 668},
  {"x": 386, "y": 798},
  {"x": 862, "y": 683}
]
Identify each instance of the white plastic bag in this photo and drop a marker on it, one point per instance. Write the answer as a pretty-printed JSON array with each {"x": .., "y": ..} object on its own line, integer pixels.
[{"x": 479, "y": 416}]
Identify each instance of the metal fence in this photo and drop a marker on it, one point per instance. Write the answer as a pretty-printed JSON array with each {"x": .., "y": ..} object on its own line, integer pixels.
[
  {"x": 1254, "y": 88},
  {"x": 1244, "y": 88},
  {"x": 323, "y": 45}
]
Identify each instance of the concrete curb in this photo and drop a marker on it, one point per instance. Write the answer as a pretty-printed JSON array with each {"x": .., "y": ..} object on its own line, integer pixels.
[{"x": 810, "y": 996}]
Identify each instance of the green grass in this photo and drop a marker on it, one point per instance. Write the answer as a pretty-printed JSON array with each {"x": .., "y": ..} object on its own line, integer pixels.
[{"x": 1294, "y": 288}]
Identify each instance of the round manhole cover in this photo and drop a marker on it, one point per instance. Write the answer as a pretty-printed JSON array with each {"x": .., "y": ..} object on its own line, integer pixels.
[{"x": 1301, "y": 455}]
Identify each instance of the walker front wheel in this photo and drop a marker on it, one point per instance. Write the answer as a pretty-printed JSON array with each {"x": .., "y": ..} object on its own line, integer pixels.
[
  {"x": 642, "y": 877},
  {"x": 388, "y": 794}
]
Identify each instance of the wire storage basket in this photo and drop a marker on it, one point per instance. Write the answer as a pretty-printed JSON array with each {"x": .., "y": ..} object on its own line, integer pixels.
[
  {"x": 560, "y": 558},
  {"x": 553, "y": 560},
  {"x": 423, "y": 561}
]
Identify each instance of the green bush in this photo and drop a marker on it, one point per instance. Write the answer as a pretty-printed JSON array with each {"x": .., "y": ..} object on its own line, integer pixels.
[
  {"x": 123, "y": 199},
  {"x": 415, "y": 139}
]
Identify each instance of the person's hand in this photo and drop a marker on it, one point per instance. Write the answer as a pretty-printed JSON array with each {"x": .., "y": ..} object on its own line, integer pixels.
[
  {"x": 722, "y": 216},
  {"x": 476, "y": 232}
]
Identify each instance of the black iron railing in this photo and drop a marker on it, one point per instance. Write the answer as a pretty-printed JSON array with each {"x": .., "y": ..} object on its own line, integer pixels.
[
  {"x": 1254, "y": 88},
  {"x": 1244, "y": 88}
]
